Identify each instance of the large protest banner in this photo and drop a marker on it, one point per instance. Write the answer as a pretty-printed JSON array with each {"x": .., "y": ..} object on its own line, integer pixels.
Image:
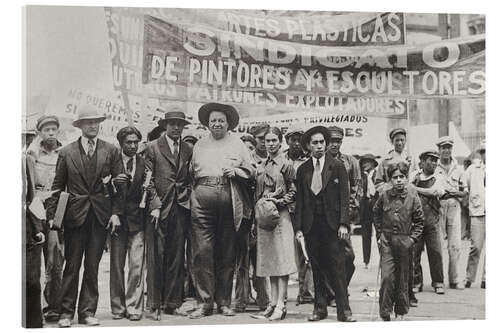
[{"x": 279, "y": 65}]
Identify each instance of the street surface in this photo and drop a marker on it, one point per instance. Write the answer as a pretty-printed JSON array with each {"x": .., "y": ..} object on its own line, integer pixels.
[{"x": 454, "y": 305}]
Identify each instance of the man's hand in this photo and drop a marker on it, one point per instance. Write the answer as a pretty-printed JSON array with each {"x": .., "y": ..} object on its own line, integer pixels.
[
  {"x": 299, "y": 235},
  {"x": 228, "y": 172},
  {"x": 40, "y": 238},
  {"x": 155, "y": 213},
  {"x": 121, "y": 179},
  {"x": 343, "y": 232},
  {"x": 114, "y": 224}
]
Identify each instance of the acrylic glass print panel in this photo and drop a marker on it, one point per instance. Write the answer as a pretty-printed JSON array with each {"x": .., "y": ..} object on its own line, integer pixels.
[{"x": 360, "y": 74}]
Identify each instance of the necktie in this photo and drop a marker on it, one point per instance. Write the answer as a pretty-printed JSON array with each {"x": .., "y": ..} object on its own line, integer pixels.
[
  {"x": 130, "y": 166},
  {"x": 90, "y": 149},
  {"x": 176, "y": 149},
  {"x": 316, "y": 183}
]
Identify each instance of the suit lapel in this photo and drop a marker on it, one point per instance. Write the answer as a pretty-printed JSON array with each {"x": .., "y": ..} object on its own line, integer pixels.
[
  {"x": 327, "y": 171},
  {"x": 76, "y": 157},
  {"x": 165, "y": 149},
  {"x": 308, "y": 173},
  {"x": 183, "y": 153}
]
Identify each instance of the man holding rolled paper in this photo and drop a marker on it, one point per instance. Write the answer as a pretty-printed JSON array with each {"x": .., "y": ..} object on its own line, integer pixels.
[
  {"x": 129, "y": 238},
  {"x": 83, "y": 170},
  {"x": 168, "y": 158}
]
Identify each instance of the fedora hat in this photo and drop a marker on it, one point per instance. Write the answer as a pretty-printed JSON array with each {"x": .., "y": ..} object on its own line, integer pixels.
[
  {"x": 232, "y": 115},
  {"x": 88, "y": 112},
  {"x": 306, "y": 138},
  {"x": 174, "y": 113},
  {"x": 368, "y": 157}
]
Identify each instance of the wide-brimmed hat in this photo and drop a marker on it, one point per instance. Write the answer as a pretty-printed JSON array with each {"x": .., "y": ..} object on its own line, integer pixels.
[
  {"x": 88, "y": 112},
  {"x": 232, "y": 115},
  {"x": 46, "y": 119},
  {"x": 305, "y": 139},
  {"x": 173, "y": 113},
  {"x": 368, "y": 157}
]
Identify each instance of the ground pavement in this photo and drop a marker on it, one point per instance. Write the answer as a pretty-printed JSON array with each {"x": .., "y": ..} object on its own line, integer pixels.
[{"x": 454, "y": 305}]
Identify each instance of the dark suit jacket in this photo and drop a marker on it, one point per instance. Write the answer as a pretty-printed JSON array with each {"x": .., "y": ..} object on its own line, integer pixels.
[
  {"x": 133, "y": 216},
  {"x": 335, "y": 193},
  {"x": 170, "y": 183},
  {"x": 32, "y": 225},
  {"x": 84, "y": 194}
]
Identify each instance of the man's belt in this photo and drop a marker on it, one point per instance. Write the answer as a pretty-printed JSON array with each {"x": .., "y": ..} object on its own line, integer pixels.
[{"x": 212, "y": 181}]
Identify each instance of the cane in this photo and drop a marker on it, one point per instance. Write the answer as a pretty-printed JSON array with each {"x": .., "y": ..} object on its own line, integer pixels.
[{"x": 379, "y": 271}]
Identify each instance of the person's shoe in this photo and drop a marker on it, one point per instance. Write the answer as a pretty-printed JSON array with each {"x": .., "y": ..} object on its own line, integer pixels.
[
  {"x": 413, "y": 302},
  {"x": 225, "y": 311},
  {"x": 199, "y": 313},
  {"x": 278, "y": 314},
  {"x": 118, "y": 316},
  {"x": 52, "y": 317},
  {"x": 134, "y": 317},
  {"x": 483, "y": 285},
  {"x": 468, "y": 284},
  {"x": 456, "y": 286},
  {"x": 64, "y": 322},
  {"x": 386, "y": 318},
  {"x": 347, "y": 319},
  {"x": 400, "y": 318},
  {"x": 175, "y": 312},
  {"x": 89, "y": 321},
  {"x": 155, "y": 314},
  {"x": 439, "y": 290},
  {"x": 304, "y": 299},
  {"x": 264, "y": 314},
  {"x": 366, "y": 266},
  {"x": 317, "y": 316},
  {"x": 418, "y": 288}
]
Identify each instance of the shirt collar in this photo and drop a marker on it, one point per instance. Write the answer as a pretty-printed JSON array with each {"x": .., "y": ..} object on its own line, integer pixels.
[
  {"x": 125, "y": 158},
  {"x": 171, "y": 141},
  {"x": 321, "y": 159},
  {"x": 85, "y": 141},
  {"x": 395, "y": 193}
]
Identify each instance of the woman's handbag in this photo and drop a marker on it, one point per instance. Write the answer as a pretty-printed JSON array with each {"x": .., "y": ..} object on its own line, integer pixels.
[{"x": 266, "y": 214}]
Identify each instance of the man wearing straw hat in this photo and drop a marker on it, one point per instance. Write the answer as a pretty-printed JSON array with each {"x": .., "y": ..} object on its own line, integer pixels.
[
  {"x": 84, "y": 169},
  {"x": 221, "y": 167}
]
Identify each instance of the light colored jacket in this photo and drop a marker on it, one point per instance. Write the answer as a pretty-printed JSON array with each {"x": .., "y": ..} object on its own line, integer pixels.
[{"x": 475, "y": 183}]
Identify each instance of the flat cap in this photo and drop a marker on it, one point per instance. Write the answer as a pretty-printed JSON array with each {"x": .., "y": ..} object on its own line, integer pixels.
[
  {"x": 430, "y": 152},
  {"x": 396, "y": 131},
  {"x": 444, "y": 140},
  {"x": 336, "y": 132},
  {"x": 294, "y": 129},
  {"x": 46, "y": 119}
]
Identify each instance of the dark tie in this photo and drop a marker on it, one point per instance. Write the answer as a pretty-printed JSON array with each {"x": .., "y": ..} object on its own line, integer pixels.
[
  {"x": 316, "y": 183},
  {"x": 130, "y": 166},
  {"x": 90, "y": 149},
  {"x": 176, "y": 149}
]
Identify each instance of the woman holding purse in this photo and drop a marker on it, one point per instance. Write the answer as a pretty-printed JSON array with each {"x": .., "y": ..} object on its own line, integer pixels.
[{"x": 275, "y": 246}]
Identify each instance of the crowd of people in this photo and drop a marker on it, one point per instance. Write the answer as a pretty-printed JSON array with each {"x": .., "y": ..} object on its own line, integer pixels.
[{"x": 192, "y": 214}]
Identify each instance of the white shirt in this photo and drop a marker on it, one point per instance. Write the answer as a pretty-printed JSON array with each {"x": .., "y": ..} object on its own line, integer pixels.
[
  {"x": 85, "y": 144},
  {"x": 125, "y": 160},
  {"x": 321, "y": 162},
  {"x": 171, "y": 143}
]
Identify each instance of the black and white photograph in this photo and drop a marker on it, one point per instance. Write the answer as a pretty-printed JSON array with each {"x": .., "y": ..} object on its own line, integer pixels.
[{"x": 202, "y": 166}]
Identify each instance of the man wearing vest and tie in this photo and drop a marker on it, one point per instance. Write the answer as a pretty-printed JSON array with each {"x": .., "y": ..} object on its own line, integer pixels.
[
  {"x": 83, "y": 167},
  {"x": 322, "y": 218},
  {"x": 168, "y": 158}
]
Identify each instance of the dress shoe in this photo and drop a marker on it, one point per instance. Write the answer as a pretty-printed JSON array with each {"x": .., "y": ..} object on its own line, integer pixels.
[
  {"x": 52, "y": 317},
  {"x": 418, "y": 288},
  {"x": 317, "y": 316},
  {"x": 64, "y": 322},
  {"x": 89, "y": 321},
  {"x": 118, "y": 316},
  {"x": 400, "y": 318},
  {"x": 347, "y": 319},
  {"x": 264, "y": 314},
  {"x": 199, "y": 313},
  {"x": 483, "y": 285},
  {"x": 439, "y": 290},
  {"x": 413, "y": 302},
  {"x": 225, "y": 311},
  {"x": 155, "y": 314},
  {"x": 278, "y": 314},
  {"x": 456, "y": 286},
  {"x": 468, "y": 284},
  {"x": 175, "y": 312},
  {"x": 134, "y": 317},
  {"x": 386, "y": 318}
]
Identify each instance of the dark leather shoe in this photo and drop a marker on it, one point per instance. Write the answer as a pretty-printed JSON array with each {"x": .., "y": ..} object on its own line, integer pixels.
[
  {"x": 413, "y": 302},
  {"x": 155, "y": 314},
  {"x": 457, "y": 286},
  {"x": 52, "y": 317},
  {"x": 468, "y": 284},
  {"x": 483, "y": 285},
  {"x": 118, "y": 316},
  {"x": 317, "y": 316},
  {"x": 225, "y": 311},
  {"x": 199, "y": 313},
  {"x": 347, "y": 319},
  {"x": 134, "y": 317},
  {"x": 386, "y": 318},
  {"x": 89, "y": 321}
]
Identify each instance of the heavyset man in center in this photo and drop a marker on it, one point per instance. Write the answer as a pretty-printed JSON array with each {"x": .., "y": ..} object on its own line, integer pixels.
[{"x": 221, "y": 164}]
